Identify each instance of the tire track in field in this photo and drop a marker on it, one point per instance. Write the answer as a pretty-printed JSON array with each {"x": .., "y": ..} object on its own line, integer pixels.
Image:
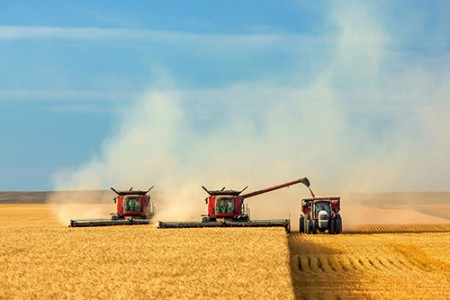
[
  {"x": 365, "y": 266},
  {"x": 383, "y": 259},
  {"x": 355, "y": 264}
]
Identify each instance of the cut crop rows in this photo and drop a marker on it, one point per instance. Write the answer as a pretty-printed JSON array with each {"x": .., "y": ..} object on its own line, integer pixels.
[{"x": 369, "y": 265}]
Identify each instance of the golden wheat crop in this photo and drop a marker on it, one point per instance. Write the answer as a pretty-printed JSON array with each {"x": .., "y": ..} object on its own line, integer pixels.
[
  {"x": 41, "y": 259},
  {"x": 375, "y": 266}
]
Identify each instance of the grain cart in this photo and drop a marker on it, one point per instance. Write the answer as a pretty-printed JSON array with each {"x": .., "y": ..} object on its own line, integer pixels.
[
  {"x": 321, "y": 214},
  {"x": 226, "y": 208},
  {"x": 133, "y": 208}
]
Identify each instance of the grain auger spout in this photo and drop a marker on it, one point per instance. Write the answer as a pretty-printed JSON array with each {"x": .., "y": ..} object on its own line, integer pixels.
[
  {"x": 303, "y": 180},
  {"x": 226, "y": 208}
]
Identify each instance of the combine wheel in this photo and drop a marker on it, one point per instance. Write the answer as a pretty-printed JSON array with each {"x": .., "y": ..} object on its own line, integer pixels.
[
  {"x": 338, "y": 225},
  {"x": 332, "y": 230},
  {"x": 302, "y": 224},
  {"x": 244, "y": 219}
]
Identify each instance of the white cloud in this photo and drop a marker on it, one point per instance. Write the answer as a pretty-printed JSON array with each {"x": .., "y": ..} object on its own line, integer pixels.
[
  {"x": 63, "y": 95},
  {"x": 177, "y": 37}
]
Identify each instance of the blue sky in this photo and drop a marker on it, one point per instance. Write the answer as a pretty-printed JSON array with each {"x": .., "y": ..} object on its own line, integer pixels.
[{"x": 359, "y": 88}]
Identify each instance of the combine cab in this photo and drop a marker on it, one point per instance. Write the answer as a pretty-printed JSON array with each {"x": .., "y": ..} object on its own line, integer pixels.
[
  {"x": 133, "y": 208},
  {"x": 226, "y": 208},
  {"x": 321, "y": 214}
]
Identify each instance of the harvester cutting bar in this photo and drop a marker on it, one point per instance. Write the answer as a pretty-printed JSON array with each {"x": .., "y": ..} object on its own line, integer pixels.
[
  {"x": 107, "y": 222},
  {"x": 259, "y": 223}
]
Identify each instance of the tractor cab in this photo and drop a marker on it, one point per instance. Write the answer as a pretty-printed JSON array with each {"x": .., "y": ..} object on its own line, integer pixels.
[
  {"x": 322, "y": 213},
  {"x": 320, "y": 206}
]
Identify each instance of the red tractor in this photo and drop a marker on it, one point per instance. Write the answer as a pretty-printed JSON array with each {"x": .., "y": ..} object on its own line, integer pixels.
[
  {"x": 133, "y": 208},
  {"x": 321, "y": 214},
  {"x": 226, "y": 208}
]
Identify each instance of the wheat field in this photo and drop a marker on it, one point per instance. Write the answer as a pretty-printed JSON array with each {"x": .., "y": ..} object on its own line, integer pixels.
[{"x": 42, "y": 259}]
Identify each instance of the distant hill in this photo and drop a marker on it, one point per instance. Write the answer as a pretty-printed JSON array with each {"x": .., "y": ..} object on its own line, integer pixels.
[
  {"x": 398, "y": 198},
  {"x": 14, "y": 197}
]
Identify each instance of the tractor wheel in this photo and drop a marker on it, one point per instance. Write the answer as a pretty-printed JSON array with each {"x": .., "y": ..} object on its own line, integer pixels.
[
  {"x": 313, "y": 227},
  {"x": 307, "y": 227},
  {"x": 302, "y": 224},
  {"x": 331, "y": 229},
  {"x": 338, "y": 225}
]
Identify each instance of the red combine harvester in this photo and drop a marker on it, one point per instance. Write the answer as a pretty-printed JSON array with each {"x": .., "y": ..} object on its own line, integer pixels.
[
  {"x": 133, "y": 208},
  {"x": 321, "y": 214},
  {"x": 226, "y": 208}
]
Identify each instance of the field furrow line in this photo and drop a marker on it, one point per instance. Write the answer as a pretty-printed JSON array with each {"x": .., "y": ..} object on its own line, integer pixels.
[
  {"x": 386, "y": 264},
  {"x": 303, "y": 264},
  {"x": 375, "y": 264},
  {"x": 397, "y": 264},
  {"x": 324, "y": 263},
  {"x": 334, "y": 266},
  {"x": 407, "y": 264},
  {"x": 319, "y": 264},
  {"x": 312, "y": 263},
  {"x": 344, "y": 264},
  {"x": 363, "y": 264},
  {"x": 356, "y": 267}
]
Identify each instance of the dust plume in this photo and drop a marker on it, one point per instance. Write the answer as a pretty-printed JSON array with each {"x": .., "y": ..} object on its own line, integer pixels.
[
  {"x": 370, "y": 119},
  {"x": 86, "y": 204}
]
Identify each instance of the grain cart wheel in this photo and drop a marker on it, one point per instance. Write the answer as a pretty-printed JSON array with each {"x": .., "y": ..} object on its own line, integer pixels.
[
  {"x": 205, "y": 219},
  {"x": 332, "y": 230},
  {"x": 301, "y": 224},
  {"x": 338, "y": 224}
]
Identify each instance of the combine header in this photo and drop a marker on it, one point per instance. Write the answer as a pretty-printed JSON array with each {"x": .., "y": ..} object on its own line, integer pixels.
[
  {"x": 133, "y": 208},
  {"x": 226, "y": 208}
]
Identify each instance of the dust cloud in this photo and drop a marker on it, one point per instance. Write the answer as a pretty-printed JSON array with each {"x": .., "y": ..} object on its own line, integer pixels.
[
  {"x": 81, "y": 204},
  {"x": 362, "y": 123}
]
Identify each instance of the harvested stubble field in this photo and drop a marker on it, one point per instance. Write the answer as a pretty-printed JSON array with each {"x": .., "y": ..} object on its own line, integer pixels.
[
  {"x": 413, "y": 265},
  {"x": 42, "y": 259}
]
